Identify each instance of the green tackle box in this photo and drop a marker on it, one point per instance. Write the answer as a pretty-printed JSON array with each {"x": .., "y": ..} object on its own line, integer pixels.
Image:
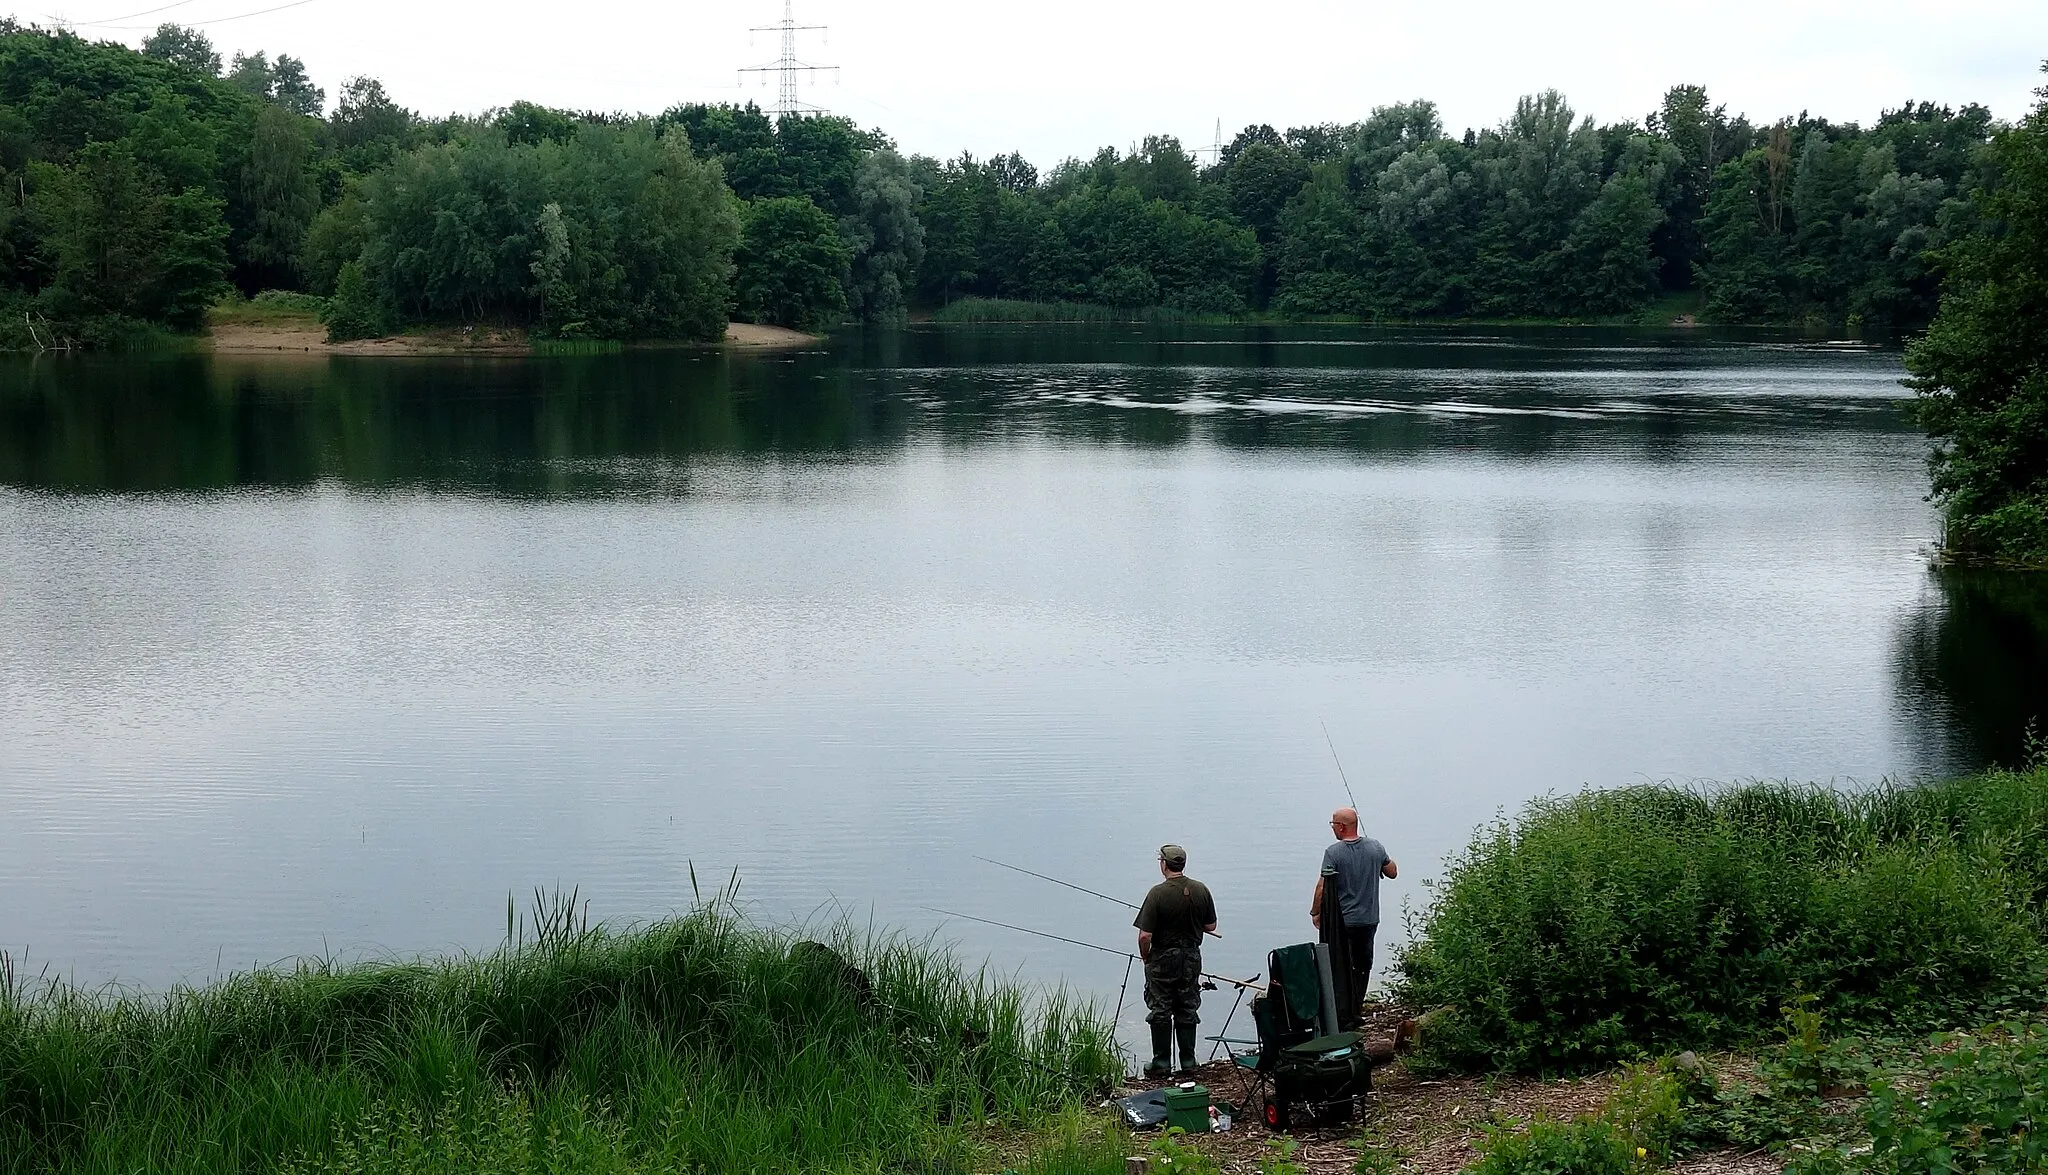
[{"x": 1187, "y": 1106}]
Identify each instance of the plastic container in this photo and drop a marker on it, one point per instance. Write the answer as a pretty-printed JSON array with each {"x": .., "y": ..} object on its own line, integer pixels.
[{"x": 1187, "y": 1106}]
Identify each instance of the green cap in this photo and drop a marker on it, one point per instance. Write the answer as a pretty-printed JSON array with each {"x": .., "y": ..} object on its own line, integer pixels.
[{"x": 1176, "y": 858}]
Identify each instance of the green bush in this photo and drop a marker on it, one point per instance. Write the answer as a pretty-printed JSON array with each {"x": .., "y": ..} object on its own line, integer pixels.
[
  {"x": 291, "y": 300},
  {"x": 355, "y": 311},
  {"x": 1648, "y": 1106},
  {"x": 1583, "y": 1146},
  {"x": 1616, "y": 924}
]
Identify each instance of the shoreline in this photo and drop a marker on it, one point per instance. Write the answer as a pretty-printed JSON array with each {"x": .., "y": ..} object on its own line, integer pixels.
[{"x": 303, "y": 336}]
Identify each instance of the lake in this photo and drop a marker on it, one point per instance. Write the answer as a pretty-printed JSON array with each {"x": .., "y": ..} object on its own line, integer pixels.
[{"x": 330, "y": 655}]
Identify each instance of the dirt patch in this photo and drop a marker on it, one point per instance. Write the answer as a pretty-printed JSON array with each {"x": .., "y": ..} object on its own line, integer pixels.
[
  {"x": 1432, "y": 1124},
  {"x": 309, "y": 337}
]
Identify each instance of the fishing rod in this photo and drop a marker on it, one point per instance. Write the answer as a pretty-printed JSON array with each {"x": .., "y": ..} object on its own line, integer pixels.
[
  {"x": 1240, "y": 984},
  {"x": 1056, "y": 881},
  {"x": 1070, "y": 885},
  {"x": 1340, "y": 765}
]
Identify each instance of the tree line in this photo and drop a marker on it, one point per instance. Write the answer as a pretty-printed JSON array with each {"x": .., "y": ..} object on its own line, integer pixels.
[
  {"x": 141, "y": 186},
  {"x": 138, "y": 188}
]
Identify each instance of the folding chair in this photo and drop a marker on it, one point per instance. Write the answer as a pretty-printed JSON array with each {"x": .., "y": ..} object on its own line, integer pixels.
[{"x": 1300, "y": 1069}]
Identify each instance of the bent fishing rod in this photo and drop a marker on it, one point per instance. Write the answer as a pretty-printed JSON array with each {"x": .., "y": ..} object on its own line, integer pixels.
[
  {"x": 1241, "y": 984},
  {"x": 1070, "y": 885}
]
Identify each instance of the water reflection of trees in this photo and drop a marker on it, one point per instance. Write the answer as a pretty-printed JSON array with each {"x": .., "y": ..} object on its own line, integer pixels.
[
  {"x": 635, "y": 423},
  {"x": 1973, "y": 668}
]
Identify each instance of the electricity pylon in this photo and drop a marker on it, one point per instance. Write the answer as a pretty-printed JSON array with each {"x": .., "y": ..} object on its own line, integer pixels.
[{"x": 787, "y": 68}]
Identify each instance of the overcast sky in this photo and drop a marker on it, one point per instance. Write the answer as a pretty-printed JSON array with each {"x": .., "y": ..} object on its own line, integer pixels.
[{"x": 1053, "y": 78}]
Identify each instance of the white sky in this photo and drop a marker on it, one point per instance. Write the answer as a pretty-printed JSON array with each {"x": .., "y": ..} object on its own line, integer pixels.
[{"x": 1053, "y": 78}]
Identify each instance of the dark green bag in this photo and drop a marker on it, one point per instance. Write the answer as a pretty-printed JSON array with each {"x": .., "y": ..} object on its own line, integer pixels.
[{"x": 1323, "y": 1076}]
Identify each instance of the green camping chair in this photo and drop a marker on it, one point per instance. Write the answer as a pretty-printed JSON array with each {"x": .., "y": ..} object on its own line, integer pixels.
[{"x": 1300, "y": 1069}]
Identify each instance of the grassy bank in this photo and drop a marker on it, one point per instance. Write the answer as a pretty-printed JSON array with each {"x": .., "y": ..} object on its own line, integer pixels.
[
  {"x": 1611, "y": 925},
  {"x": 702, "y": 1042}
]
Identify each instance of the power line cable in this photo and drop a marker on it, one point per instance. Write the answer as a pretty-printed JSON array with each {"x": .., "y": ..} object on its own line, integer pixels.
[
  {"x": 196, "y": 23},
  {"x": 131, "y": 16}
]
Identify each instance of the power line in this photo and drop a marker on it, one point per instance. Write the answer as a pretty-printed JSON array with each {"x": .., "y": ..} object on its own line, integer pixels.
[
  {"x": 191, "y": 24},
  {"x": 131, "y": 16},
  {"x": 788, "y": 69}
]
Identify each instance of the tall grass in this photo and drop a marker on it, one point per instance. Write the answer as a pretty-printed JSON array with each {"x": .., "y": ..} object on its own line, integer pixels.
[
  {"x": 979, "y": 311},
  {"x": 1609, "y": 924},
  {"x": 702, "y": 1041}
]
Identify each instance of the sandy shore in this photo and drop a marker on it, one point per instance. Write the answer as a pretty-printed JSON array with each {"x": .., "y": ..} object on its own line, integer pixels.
[
  {"x": 750, "y": 336},
  {"x": 310, "y": 338}
]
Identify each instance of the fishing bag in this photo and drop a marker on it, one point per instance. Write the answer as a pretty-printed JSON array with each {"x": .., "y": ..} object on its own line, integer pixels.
[{"x": 1322, "y": 1077}]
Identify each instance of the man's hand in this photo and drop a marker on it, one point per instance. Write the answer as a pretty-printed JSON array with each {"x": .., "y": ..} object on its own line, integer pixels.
[
  {"x": 1390, "y": 870},
  {"x": 1145, "y": 946},
  {"x": 1316, "y": 920}
]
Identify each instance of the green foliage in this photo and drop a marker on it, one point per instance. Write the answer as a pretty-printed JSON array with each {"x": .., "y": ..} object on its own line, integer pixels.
[
  {"x": 1986, "y": 1109},
  {"x": 698, "y": 1043},
  {"x": 1982, "y": 369},
  {"x": 1974, "y": 1103},
  {"x": 637, "y": 245},
  {"x": 487, "y": 1134},
  {"x": 290, "y": 301},
  {"x": 284, "y": 83},
  {"x": 123, "y": 244},
  {"x": 1078, "y": 1144},
  {"x": 357, "y": 311},
  {"x": 1835, "y": 224},
  {"x": 884, "y": 238},
  {"x": 1649, "y": 1107},
  {"x": 1172, "y": 1155},
  {"x": 277, "y": 200},
  {"x": 1544, "y": 216},
  {"x": 1279, "y": 1157},
  {"x": 1606, "y": 925},
  {"x": 182, "y": 46},
  {"x": 1547, "y": 1146},
  {"x": 334, "y": 238},
  {"x": 993, "y": 310},
  {"x": 791, "y": 264}
]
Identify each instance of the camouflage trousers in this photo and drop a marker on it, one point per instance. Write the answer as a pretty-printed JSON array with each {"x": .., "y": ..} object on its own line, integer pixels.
[{"x": 1173, "y": 986}]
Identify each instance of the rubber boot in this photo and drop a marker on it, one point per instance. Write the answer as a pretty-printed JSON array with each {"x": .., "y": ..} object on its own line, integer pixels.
[
  {"x": 1162, "y": 1051},
  {"x": 1187, "y": 1047}
]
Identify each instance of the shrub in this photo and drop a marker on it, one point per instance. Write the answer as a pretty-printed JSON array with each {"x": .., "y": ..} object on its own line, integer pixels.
[
  {"x": 1583, "y": 1146},
  {"x": 355, "y": 311},
  {"x": 1615, "y": 924}
]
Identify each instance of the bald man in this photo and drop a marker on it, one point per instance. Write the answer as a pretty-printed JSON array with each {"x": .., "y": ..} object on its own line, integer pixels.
[{"x": 1354, "y": 865}]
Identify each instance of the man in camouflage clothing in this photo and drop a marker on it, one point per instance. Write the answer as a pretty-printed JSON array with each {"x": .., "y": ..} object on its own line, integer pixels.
[{"x": 1176, "y": 913}]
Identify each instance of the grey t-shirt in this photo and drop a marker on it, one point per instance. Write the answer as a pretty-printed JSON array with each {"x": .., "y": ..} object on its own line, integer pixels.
[{"x": 1353, "y": 866}]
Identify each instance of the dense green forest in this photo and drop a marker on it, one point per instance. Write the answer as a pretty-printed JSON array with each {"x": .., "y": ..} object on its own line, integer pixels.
[{"x": 142, "y": 186}]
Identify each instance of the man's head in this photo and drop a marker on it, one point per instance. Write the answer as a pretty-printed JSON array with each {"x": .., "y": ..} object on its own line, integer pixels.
[
  {"x": 1344, "y": 823},
  {"x": 1172, "y": 859}
]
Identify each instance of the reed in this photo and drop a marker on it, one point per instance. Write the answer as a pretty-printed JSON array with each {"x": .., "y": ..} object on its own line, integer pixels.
[
  {"x": 1610, "y": 925},
  {"x": 702, "y": 1041}
]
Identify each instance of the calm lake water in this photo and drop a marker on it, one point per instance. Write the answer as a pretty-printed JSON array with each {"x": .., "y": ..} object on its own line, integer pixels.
[{"x": 330, "y": 655}]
